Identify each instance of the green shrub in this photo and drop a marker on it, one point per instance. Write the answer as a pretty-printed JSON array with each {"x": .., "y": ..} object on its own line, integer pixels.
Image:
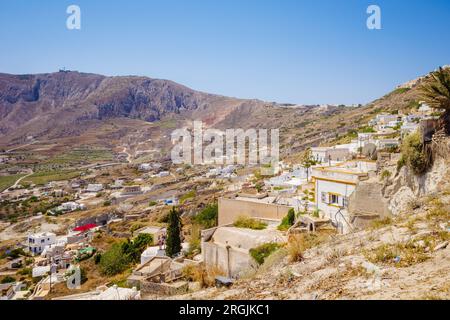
[
  {"x": 118, "y": 258},
  {"x": 261, "y": 252},
  {"x": 385, "y": 174},
  {"x": 249, "y": 223},
  {"x": 113, "y": 261},
  {"x": 288, "y": 221},
  {"x": 8, "y": 279},
  {"x": 25, "y": 272},
  {"x": 207, "y": 218},
  {"x": 414, "y": 156},
  {"x": 189, "y": 195},
  {"x": 401, "y": 162},
  {"x": 133, "y": 249},
  {"x": 16, "y": 253}
]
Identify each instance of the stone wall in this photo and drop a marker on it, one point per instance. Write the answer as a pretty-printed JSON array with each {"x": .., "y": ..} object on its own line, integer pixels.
[
  {"x": 367, "y": 203},
  {"x": 166, "y": 289},
  {"x": 231, "y": 261}
]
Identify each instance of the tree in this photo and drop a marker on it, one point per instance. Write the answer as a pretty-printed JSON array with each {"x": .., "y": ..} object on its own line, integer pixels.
[
  {"x": 133, "y": 249},
  {"x": 173, "y": 242},
  {"x": 435, "y": 92},
  {"x": 307, "y": 161}
]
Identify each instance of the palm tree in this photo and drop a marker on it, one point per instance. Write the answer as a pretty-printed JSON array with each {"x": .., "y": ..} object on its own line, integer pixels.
[{"x": 436, "y": 93}]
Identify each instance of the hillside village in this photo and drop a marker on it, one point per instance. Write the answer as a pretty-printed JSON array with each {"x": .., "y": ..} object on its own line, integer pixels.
[{"x": 351, "y": 217}]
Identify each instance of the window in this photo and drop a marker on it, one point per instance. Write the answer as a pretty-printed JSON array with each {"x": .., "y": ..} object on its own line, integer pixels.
[{"x": 333, "y": 199}]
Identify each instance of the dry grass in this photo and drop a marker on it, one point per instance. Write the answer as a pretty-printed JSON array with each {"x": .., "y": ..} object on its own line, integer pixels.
[
  {"x": 249, "y": 223},
  {"x": 381, "y": 223},
  {"x": 295, "y": 248},
  {"x": 408, "y": 254},
  {"x": 273, "y": 260},
  {"x": 299, "y": 243},
  {"x": 200, "y": 273},
  {"x": 334, "y": 256}
]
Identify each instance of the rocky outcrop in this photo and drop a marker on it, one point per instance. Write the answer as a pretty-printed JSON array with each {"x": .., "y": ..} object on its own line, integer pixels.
[{"x": 406, "y": 186}]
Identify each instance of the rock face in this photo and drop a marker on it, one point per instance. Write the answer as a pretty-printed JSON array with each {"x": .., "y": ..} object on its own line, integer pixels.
[{"x": 406, "y": 186}]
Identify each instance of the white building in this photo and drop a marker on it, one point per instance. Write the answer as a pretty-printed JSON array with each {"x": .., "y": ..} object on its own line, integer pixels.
[
  {"x": 93, "y": 187},
  {"x": 70, "y": 206},
  {"x": 163, "y": 174},
  {"x": 325, "y": 154},
  {"x": 333, "y": 187},
  {"x": 385, "y": 118},
  {"x": 37, "y": 242},
  {"x": 425, "y": 109},
  {"x": 409, "y": 128}
]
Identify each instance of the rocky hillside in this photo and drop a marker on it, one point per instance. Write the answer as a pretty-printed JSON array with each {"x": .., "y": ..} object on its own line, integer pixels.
[
  {"x": 89, "y": 108},
  {"x": 62, "y": 103},
  {"x": 406, "y": 256}
]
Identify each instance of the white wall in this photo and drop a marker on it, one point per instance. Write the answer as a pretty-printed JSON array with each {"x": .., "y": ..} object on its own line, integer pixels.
[{"x": 343, "y": 190}]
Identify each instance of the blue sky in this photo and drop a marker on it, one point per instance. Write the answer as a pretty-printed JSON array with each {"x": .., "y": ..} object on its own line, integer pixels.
[{"x": 310, "y": 51}]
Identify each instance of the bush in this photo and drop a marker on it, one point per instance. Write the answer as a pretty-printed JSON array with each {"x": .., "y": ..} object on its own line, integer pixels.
[
  {"x": 261, "y": 252},
  {"x": 385, "y": 174},
  {"x": 207, "y": 218},
  {"x": 152, "y": 203},
  {"x": 133, "y": 249},
  {"x": 25, "y": 272},
  {"x": 113, "y": 261},
  {"x": 413, "y": 154},
  {"x": 16, "y": 253},
  {"x": 201, "y": 274},
  {"x": 187, "y": 196},
  {"x": 8, "y": 279},
  {"x": 401, "y": 162},
  {"x": 288, "y": 221},
  {"x": 299, "y": 243},
  {"x": 249, "y": 223},
  {"x": 118, "y": 258},
  {"x": 295, "y": 248}
]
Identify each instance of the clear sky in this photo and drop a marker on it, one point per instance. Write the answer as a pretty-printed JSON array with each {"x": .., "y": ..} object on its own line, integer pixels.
[{"x": 310, "y": 51}]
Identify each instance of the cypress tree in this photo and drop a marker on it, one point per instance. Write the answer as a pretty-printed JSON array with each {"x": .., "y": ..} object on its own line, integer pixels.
[{"x": 173, "y": 242}]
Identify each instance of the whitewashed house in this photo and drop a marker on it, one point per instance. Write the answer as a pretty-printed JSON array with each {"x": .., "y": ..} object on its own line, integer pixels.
[
  {"x": 333, "y": 187},
  {"x": 94, "y": 187},
  {"x": 37, "y": 242},
  {"x": 325, "y": 154}
]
